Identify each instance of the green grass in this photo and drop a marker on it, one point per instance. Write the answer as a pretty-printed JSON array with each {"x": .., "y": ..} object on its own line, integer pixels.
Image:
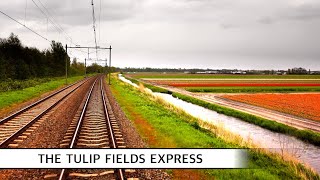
[
  {"x": 149, "y": 86},
  {"x": 222, "y": 76},
  {"x": 17, "y": 96},
  {"x": 252, "y": 89},
  {"x": 173, "y": 129},
  {"x": 305, "y": 135}
]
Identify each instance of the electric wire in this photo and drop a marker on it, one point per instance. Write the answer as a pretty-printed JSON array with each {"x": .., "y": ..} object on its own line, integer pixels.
[
  {"x": 100, "y": 22},
  {"x": 53, "y": 21},
  {"x": 25, "y": 26},
  {"x": 56, "y": 24},
  {"x": 94, "y": 28}
]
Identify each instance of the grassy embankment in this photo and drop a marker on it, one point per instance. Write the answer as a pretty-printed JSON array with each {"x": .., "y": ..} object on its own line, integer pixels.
[
  {"x": 9, "y": 98},
  {"x": 163, "y": 126},
  {"x": 252, "y": 89},
  {"x": 304, "y": 135}
]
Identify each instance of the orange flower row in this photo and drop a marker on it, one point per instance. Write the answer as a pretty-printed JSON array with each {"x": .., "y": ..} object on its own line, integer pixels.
[{"x": 303, "y": 105}]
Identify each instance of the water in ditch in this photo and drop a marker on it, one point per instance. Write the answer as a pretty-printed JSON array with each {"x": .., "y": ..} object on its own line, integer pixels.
[{"x": 303, "y": 151}]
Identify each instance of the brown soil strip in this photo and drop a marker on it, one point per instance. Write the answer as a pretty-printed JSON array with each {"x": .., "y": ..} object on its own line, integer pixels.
[{"x": 188, "y": 174}]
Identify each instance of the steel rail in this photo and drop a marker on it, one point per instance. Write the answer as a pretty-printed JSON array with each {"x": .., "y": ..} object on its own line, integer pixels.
[
  {"x": 22, "y": 129},
  {"x": 4, "y": 120},
  {"x": 79, "y": 124},
  {"x": 112, "y": 137}
]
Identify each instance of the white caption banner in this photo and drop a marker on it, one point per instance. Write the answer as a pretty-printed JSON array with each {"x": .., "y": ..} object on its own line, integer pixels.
[{"x": 123, "y": 158}]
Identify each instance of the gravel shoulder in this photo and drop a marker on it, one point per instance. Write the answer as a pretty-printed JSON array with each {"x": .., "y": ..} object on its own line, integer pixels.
[{"x": 49, "y": 133}]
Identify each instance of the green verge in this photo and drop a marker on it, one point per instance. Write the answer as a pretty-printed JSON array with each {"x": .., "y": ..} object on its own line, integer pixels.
[
  {"x": 17, "y": 96},
  {"x": 251, "y": 89},
  {"x": 305, "y": 135},
  {"x": 173, "y": 129}
]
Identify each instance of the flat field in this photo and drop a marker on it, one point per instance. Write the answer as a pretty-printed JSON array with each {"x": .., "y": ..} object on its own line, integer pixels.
[
  {"x": 162, "y": 126},
  {"x": 217, "y": 76},
  {"x": 234, "y": 83},
  {"x": 302, "y": 105}
]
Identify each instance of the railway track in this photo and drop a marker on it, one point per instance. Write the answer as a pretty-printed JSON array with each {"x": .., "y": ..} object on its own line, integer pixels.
[
  {"x": 94, "y": 126},
  {"x": 18, "y": 126}
]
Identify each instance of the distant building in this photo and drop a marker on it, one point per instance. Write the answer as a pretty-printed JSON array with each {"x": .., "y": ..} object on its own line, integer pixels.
[
  {"x": 239, "y": 72},
  {"x": 299, "y": 70}
]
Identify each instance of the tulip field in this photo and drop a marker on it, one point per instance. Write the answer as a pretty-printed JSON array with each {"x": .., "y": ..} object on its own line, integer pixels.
[
  {"x": 303, "y": 105},
  {"x": 269, "y": 91},
  {"x": 234, "y": 83}
]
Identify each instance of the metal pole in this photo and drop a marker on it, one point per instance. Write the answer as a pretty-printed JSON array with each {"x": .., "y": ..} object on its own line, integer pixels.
[
  {"x": 85, "y": 67},
  {"x": 106, "y": 66},
  {"x": 109, "y": 64},
  {"x": 67, "y": 64},
  {"x": 85, "y": 64}
]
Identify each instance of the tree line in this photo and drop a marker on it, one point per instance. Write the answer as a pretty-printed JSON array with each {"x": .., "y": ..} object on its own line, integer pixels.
[{"x": 18, "y": 62}]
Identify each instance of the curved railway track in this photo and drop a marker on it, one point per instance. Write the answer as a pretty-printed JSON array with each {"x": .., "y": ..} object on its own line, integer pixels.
[
  {"x": 16, "y": 127},
  {"x": 94, "y": 127}
]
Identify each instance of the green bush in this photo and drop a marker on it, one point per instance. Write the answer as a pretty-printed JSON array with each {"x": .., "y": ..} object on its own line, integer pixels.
[{"x": 10, "y": 85}]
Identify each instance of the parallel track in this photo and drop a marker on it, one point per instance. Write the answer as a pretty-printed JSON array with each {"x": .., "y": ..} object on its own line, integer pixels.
[
  {"x": 16, "y": 127},
  {"x": 94, "y": 127}
]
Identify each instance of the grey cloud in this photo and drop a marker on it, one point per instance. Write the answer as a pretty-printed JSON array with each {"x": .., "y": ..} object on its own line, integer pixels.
[
  {"x": 176, "y": 31},
  {"x": 72, "y": 13},
  {"x": 266, "y": 20},
  {"x": 305, "y": 12},
  {"x": 302, "y": 12}
]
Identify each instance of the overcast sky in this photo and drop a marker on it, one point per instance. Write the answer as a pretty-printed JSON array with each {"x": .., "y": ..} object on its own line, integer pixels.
[{"x": 243, "y": 34}]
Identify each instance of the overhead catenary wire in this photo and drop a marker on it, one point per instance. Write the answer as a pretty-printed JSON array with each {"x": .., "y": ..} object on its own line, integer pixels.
[
  {"x": 33, "y": 31},
  {"x": 54, "y": 22},
  {"x": 100, "y": 21},
  {"x": 94, "y": 28},
  {"x": 38, "y": 34},
  {"x": 47, "y": 17},
  {"x": 57, "y": 25}
]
